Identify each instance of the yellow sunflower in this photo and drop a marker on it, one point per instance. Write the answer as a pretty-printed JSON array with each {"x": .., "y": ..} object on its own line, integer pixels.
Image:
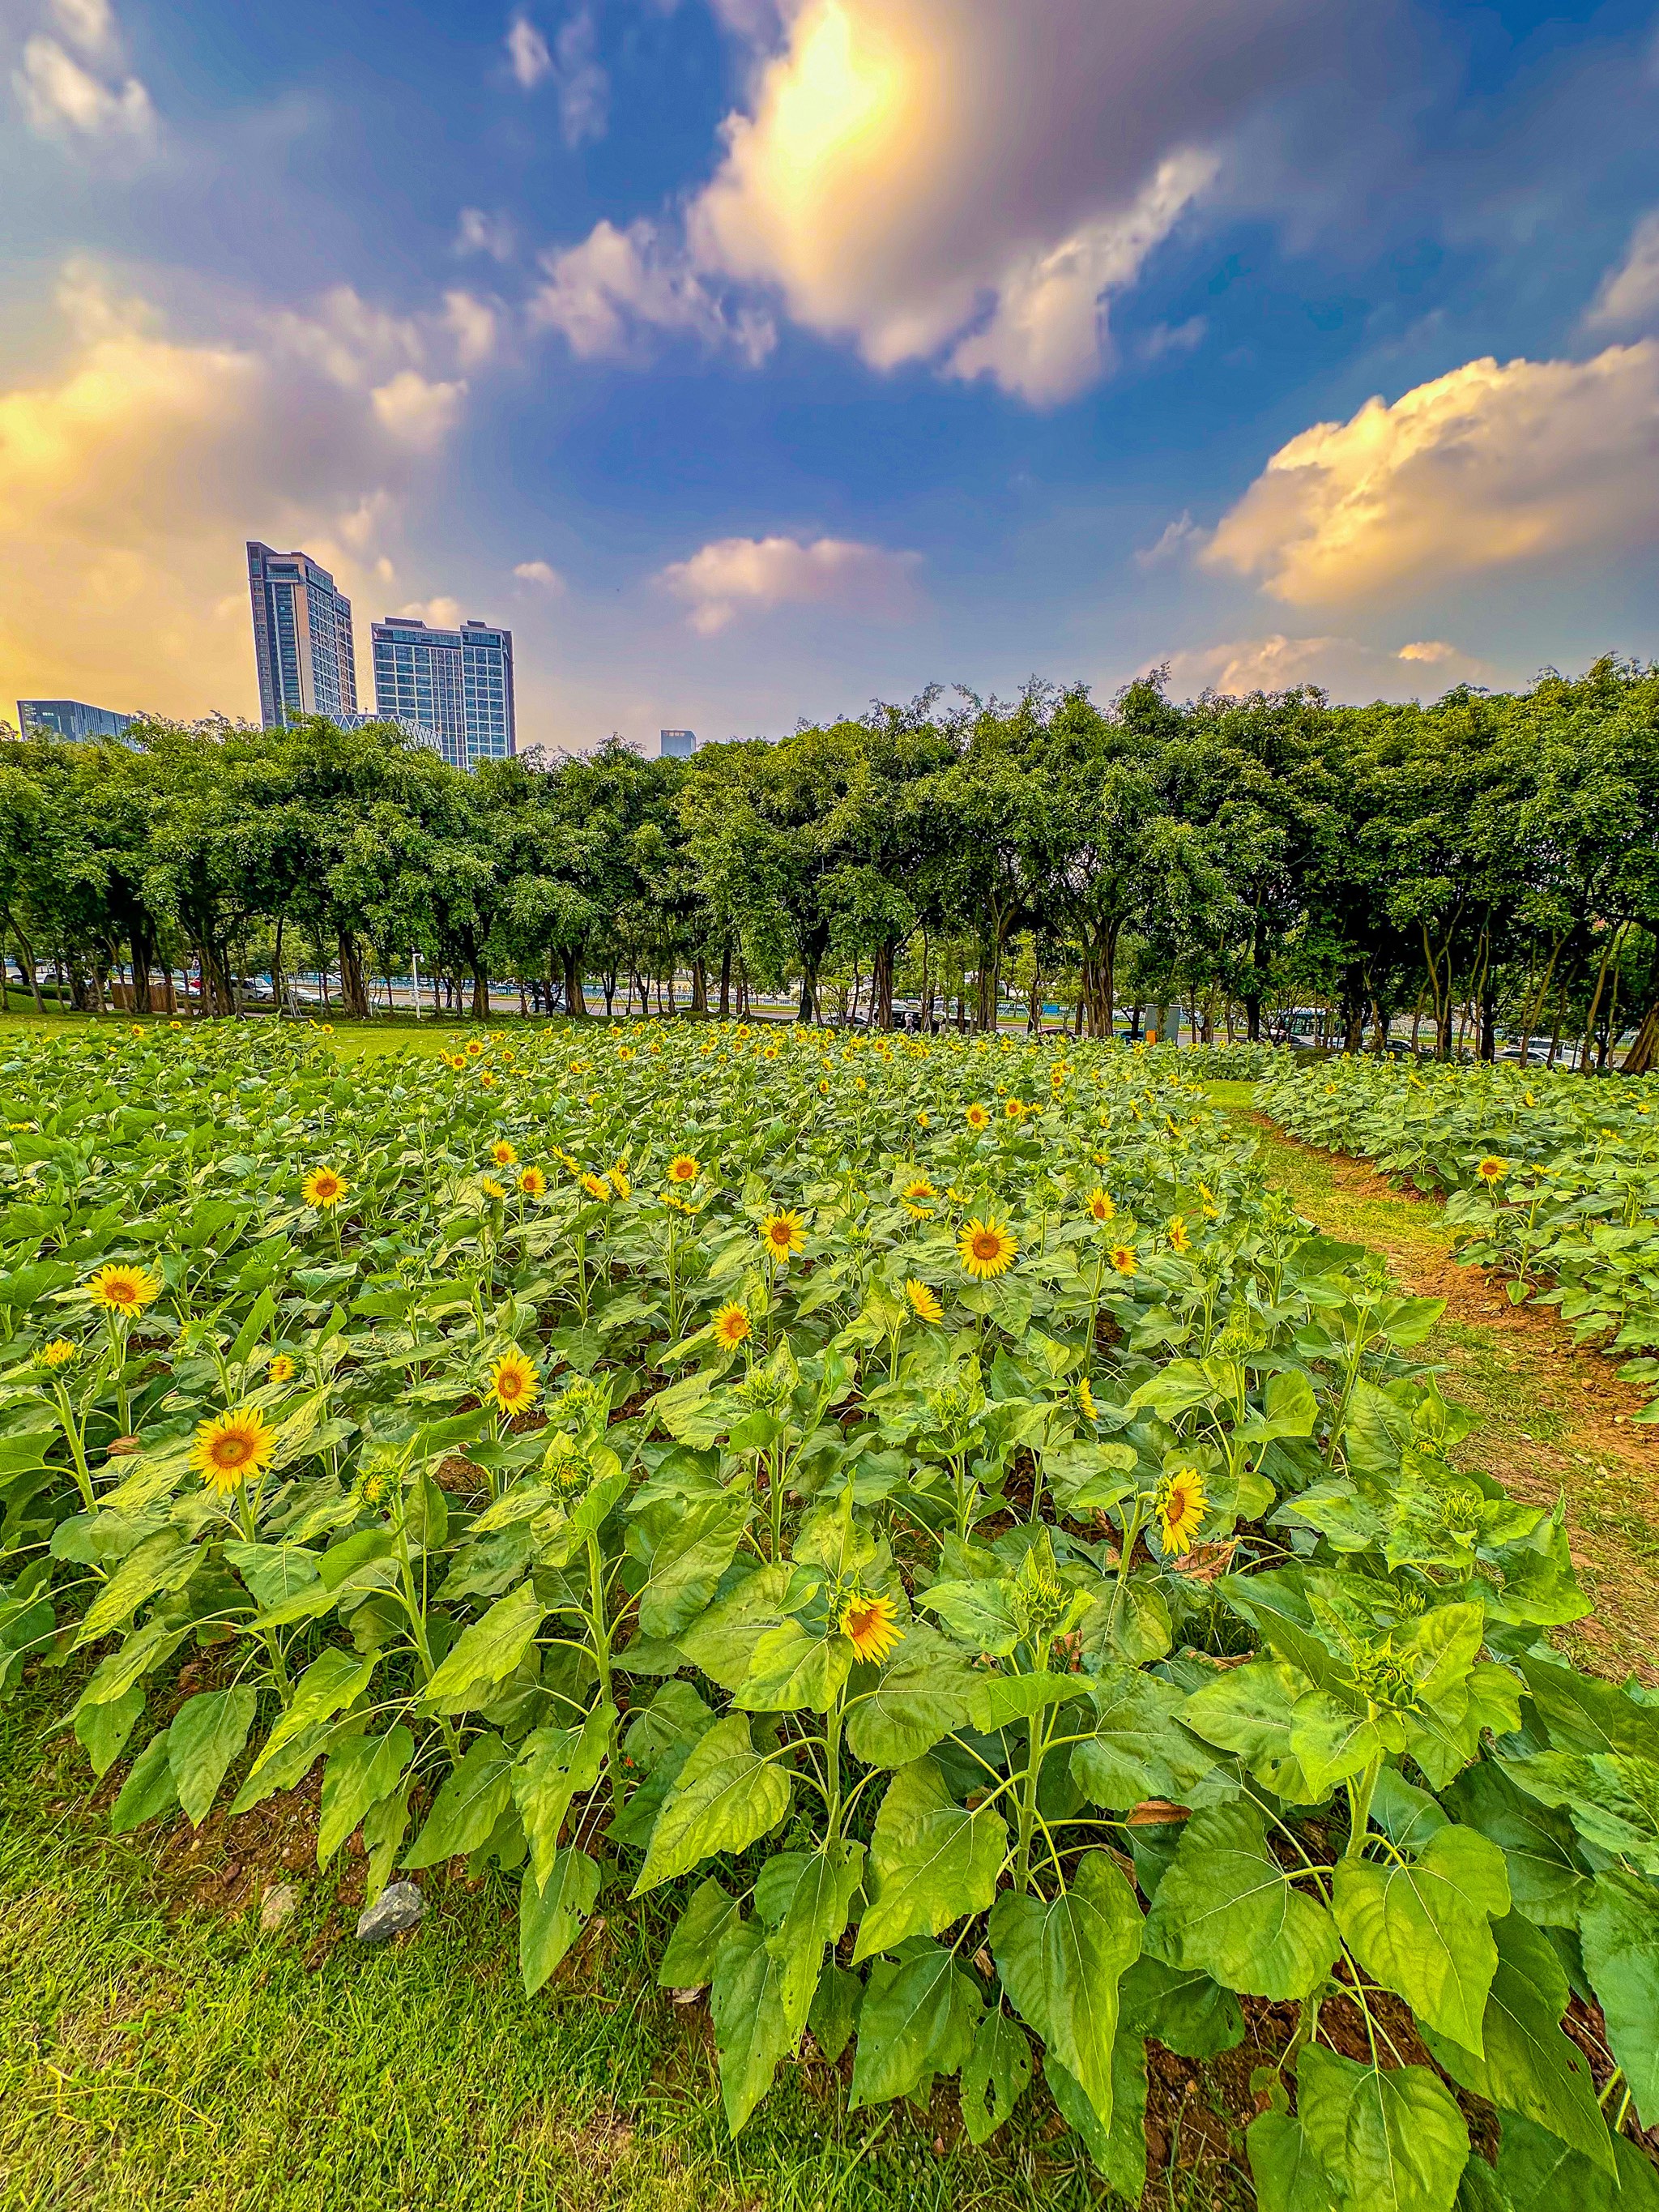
[
  {"x": 232, "y": 1448},
  {"x": 513, "y": 1383},
  {"x": 732, "y": 1325},
  {"x": 280, "y": 1369},
  {"x": 503, "y": 1154},
  {"x": 987, "y": 1248},
  {"x": 923, "y": 1302},
  {"x": 1492, "y": 1170},
  {"x": 474, "y": 1048},
  {"x": 532, "y": 1182},
  {"x": 597, "y": 1187},
  {"x": 869, "y": 1625},
  {"x": 1101, "y": 1208},
  {"x": 324, "y": 1187},
  {"x": 684, "y": 1169},
  {"x": 1179, "y": 1505},
  {"x": 1013, "y": 1110},
  {"x": 490, "y": 1187},
  {"x": 457, "y": 1061},
  {"x": 1086, "y": 1403},
  {"x": 783, "y": 1234},
  {"x": 1179, "y": 1239},
  {"x": 619, "y": 1182},
  {"x": 125, "y": 1291},
  {"x": 1123, "y": 1259},
  {"x": 58, "y": 1352},
  {"x": 977, "y": 1117}
]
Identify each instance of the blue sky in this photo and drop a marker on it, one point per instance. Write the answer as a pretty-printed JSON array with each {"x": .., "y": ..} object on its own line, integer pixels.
[{"x": 756, "y": 360}]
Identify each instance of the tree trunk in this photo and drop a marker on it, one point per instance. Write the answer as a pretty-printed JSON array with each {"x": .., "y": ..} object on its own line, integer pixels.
[
  {"x": 1489, "y": 1022},
  {"x": 480, "y": 992},
  {"x": 1644, "y": 1048},
  {"x": 808, "y": 1009},
  {"x": 881, "y": 988},
  {"x": 725, "y": 981},
  {"x": 351, "y": 978},
  {"x": 575, "y": 1004},
  {"x": 699, "y": 987}
]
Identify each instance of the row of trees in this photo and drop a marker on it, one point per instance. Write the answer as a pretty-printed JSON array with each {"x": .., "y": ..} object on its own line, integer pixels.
[{"x": 1496, "y": 855}]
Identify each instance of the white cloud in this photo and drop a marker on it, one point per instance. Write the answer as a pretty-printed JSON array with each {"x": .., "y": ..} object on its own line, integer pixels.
[
  {"x": 583, "y": 87},
  {"x": 950, "y": 179},
  {"x": 1482, "y": 468},
  {"x": 1173, "y": 338},
  {"x": 528, "y": 52},
  {"x": 607, "y": 293},
  {"x": 541, "y": 574},
  {"x": 478, "y": 232},
  {"x": 473, "y": 322},
  {"x": 1046, "y": 339},
  {"x": 736, "y": 574},
  {"x": 440, "y": 613},
  {"x": 1629, "y": 296},
  {"x": 62, "y": 99},
  {"x": 88, "y": 24},
  {"x": 1176, "y": 538},
  {"x": 1340, "y": 666},
  {"x": 417, "y": 411},
  {"x": 131, "y": 474}
]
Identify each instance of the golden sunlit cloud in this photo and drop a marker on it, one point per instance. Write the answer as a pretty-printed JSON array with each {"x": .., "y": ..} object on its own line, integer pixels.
[
  {"x": 1340, "y": 666},
  {"x": 131, "y": 478},
  {"x": 1489, "y": 465},
  {"x": 758, "y": 573}
]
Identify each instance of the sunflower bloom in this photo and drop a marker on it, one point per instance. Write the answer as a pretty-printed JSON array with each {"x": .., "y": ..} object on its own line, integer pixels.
[
  {"x": 1013, "y": 1110},
  {"x": 924, "y": 1305},
  {"x": 513, "y": 1383},
  {"x": 618, "y": 1180},
  {"x": 232, "y": 1448},
  {"x": 1492, "y": 1170},
  {"x": 918, "y": 1191},
  {"x": 784, "y": 1236},
  {"x": 987, "y": 1249},
  {"x": 502, "y": 1153},
  {"x": 280, "y": 1369},
  {"x": 1123, "y": 1259},
  {"x": 490, "y": 1187},
  {"x": 597, "y": 1187},
  {"x": 1086, "y": 1403},
  {"x": 976, "y": 1116},
  {"x": 1179, "y": 1235},
  {"x": 732, "y": 1326},
  {"x": 684, "y": 1169},
  {"x": 869, "y": 1625},
  {"x": 1179, "y": 1505},
  {"x": 58, "y": 1352},
  {"x": 1101, "y": 1208},
  {"x": 532, "y": 1182},
  {"x": 324, "y": 1187},
  {"x": 125, "y": 1291}
]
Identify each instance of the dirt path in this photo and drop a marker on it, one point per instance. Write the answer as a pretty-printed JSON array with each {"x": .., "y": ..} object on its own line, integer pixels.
[{"x": 1553, "y": 1418}]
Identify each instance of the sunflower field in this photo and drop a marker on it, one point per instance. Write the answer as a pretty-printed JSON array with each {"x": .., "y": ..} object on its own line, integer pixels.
[
  {"x": 1551, "y": 1178},
  {"x": 925, "y": 1508}
]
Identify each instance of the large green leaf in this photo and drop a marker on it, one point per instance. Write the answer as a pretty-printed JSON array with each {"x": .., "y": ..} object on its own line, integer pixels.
[
  {"x": 1392, "y": 2138},
  {"x": 688, "y": 1561},
  {"x": 1422, "y": 1927},
  {"x": 1061, "y": 1961},
  {"x": 791, "y": 1668},
  {"x": 725, "y": 1796},
  {"x": 1526, "y": 2064},
  {"x": 553, "y": 1912},
  {"x": 486, "y": 1652},
  {"x": 1612, "y": 1798},
  {"x": 361, "y": 1771},
  {"x": 994, "y": 2074},
  {"x": 1120, "y": 2151},
  {"x": 1251, "y": 1710},
  {"x": 918, "y": 2018},
  {"x": 165, "y": 1561},
  {"x": 688, "y": 1959},
  {"x": 1138, "y": 1749},
  {"x": 931, "y": 1860},
  {"x": 1188, "y": 2011},
  {"x": 1619, "y": 1929},
  {"x": 328, "y": 1685},
  {"x": 1537, "y": 2172},
  {"x": 149, "y": 1790},
  {"x": 552, "y": 1766},
  {"x": 720, "y": 1642},
  {"x": 207, "y": 1733},
  {"x": 1547, "y": 1882},
  {"x": 1226, "y": 1906},
  {"x": 465, "y": 1810},
  {"x": 750, "y": 2036},
  {"x": 977, "y": 1613},
  {"x": 809, "y": 1911},
  {"x": 921, "y": 1698},
  {"x": 1289, "y": 2173}
]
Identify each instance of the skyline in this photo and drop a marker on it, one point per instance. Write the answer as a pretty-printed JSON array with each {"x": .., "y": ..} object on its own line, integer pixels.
[{"x": 752, "y": 361}]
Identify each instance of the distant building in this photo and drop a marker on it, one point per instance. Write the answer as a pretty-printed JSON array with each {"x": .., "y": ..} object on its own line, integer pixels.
[
  {"x": 70, "y": 717},
  {"x": 678, "y": 745},
  {"x": 301, "y": 638},
  {"x": 457, "y": 682},
  {"x": 417, "y": 732}
]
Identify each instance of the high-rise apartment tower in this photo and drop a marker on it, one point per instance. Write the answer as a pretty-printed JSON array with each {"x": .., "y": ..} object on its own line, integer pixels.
[
  {"x": 457, "y": 682},
  {"x": 301, "y": 638}
]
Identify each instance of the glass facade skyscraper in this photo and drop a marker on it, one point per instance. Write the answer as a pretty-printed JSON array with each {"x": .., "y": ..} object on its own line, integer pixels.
[
  {"x": 457, "y": 682},
  {"x": 301, "y": 638},
  {"x": 677, "y": 744},
  {"x": 70, "y": 717}
]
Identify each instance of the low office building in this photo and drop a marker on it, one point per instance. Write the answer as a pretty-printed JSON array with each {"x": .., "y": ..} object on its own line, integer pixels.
[{"x": 70, "y": 717}]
